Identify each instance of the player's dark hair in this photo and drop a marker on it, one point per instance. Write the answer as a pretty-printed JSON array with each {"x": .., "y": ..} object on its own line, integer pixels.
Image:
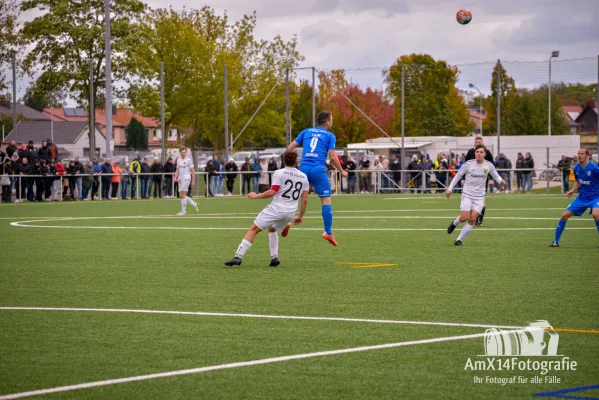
[
  {"x": 290, "y": 158},
  {"x": 323, "y": 117},
  {"x": 480, "y": 146}
]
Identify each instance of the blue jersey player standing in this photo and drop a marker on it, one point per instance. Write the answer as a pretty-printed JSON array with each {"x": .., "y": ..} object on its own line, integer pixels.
[
  {"x": 318, "y": 143},
  {"x": 587, "y": 183}
]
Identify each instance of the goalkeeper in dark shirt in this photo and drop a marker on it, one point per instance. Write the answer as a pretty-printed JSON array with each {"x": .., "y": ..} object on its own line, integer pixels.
[{"x": 478, "y": 140}]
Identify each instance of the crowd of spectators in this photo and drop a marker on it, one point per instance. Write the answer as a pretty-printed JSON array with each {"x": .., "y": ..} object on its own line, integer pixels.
[{"x": 29, "y": 174}]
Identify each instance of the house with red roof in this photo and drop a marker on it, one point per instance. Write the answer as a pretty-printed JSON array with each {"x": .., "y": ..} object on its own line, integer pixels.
[{"x": 120, "y": 120}]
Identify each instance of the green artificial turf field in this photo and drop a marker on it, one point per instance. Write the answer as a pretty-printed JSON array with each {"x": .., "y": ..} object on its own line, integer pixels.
[{"x": 395, "y": 267}]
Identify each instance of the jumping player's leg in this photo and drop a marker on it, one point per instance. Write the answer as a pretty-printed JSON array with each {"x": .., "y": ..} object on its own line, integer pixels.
[{"x": 318, "y": 178}]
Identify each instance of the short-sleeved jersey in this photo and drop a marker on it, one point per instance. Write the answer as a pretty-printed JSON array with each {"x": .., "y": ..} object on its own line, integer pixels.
[
  {"x": 184, "y": 165},
  {"x": 289, "y": 183},
  {"x": 588, "y": 181},
  {"x": 476, "y": 178},
  {"x": 316, "y": 143}
]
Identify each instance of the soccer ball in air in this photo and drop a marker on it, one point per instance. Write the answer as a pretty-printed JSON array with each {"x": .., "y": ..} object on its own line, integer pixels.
[{"x": 463, "y": 16}]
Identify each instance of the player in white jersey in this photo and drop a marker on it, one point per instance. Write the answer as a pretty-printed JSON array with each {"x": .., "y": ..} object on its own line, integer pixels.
[
  {"x": 185, "y": 176},
  {"x": 474, "y": 191},
  {"x": 288, "y": 186}
]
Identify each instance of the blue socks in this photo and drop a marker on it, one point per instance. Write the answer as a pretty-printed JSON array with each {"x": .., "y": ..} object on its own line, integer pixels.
[
  {"x": 561, "y": 225},
  {"x": 327, "y": 217}
]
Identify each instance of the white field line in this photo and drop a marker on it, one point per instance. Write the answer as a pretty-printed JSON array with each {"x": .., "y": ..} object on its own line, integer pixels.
[
  {"x": 253, "y": 215},
  {"x": 453, "y": 210},
  {"x": 492, "y": 196},
  {"x": 264, "y": 316},
  {"x": 208, "y": 228},
  {"x": 235, "y": 365}
]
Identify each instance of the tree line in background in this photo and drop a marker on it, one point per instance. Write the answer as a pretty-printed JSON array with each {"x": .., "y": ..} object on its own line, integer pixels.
[{"x": 196, "y": 44}]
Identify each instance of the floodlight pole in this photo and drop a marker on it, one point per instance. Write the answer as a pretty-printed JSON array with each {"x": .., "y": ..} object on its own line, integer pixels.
[
  {"x": 108, "y": 73},
  {"x": 555, "y": 54}
]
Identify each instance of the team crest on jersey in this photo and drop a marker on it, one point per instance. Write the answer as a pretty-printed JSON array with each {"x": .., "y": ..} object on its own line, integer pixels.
[
  {"x": 486, "y": 171},
  {"x": 588, "y": 173}
]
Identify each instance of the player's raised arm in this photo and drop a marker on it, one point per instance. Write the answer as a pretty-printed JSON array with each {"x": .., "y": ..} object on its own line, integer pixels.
[{"x": 292, "y": 146}]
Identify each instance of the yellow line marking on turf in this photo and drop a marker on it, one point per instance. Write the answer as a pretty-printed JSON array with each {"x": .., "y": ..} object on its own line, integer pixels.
[
  {"x": 433, "y": 202},
  {"x": 575, "y": 330},
  {"x": 357, "y": 265}
]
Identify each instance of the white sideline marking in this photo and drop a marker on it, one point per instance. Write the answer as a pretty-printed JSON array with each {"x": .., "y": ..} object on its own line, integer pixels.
[
  {"x": 453, "y": 209},
  {"x": 184, "y": 228},
  {"x": 235, "y": 365},
  {"x": 253, "y": 216},
  {"x": 491, "y": 196},
  {"x": 265, "y": 316}
]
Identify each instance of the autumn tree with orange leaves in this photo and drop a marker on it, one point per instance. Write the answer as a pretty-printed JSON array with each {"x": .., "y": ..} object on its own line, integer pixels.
[{"x": 349, "y": 124}]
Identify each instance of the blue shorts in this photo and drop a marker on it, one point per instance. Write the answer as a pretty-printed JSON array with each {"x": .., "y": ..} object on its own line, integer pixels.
[
  {"x": 578, "y": 206},
  {"x": 318, "y": 178}
]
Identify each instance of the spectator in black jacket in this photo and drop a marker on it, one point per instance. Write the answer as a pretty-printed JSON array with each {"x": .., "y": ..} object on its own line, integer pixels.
[
  {"x": 106, "y": 171},
  {"x": 72, "y": 171},
  {"x": 529, "y": 165},
  {"x": 41, "y": 190},
  {"x": 11, "y": 149},
  {"x": 231, "y": 170},
  {"x": 272, "y": 167},
  {"x": 246, "y": 177},
  {"x": 5, "y": 172},
  {"x": 210, "y": 172},
  {"x": 32, "y": 154},
  {"x": 169, "y": 171},
  {"x": 503, "y": 163},
  {"x": 26, "y": 186},
  {"x": 44, "y": 152},
  {"x": 350, "y": 167},
  {"x": 519, "y": 168},
  {"x": 415, "y": 173},
  {"x": 395, "y": 166},
  {"x": 564, "y": 166},
  {"x": 145, "y": 187},
  {"x": 157, "y": 169}
]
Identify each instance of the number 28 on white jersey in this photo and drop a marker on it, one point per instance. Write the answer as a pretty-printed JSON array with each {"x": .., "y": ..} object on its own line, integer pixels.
[{"x": 291, "y": 183}]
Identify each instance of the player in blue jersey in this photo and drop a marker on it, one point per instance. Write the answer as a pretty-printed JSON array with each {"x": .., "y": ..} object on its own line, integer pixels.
[
  {"x": 587, "y": 183},
  {"x": 318, "y": 143}
]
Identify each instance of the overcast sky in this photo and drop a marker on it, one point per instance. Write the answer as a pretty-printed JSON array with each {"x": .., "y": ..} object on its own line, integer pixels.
[{"x": 373, "y": 33}]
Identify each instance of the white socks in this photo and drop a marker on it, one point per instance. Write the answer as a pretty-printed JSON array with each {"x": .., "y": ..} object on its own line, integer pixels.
[
  {"x": 191, "y": 202},
  {"x": 457, "y": 221},
  {"x": 243, "y": 247},
  {"x": 465, "y": 231},
  {"x": 273, "y": 244},
  {"x": 185, "y": 202}
]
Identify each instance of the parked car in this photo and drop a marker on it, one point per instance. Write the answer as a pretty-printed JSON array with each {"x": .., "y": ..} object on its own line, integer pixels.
[{"x": 240, "y": 156}]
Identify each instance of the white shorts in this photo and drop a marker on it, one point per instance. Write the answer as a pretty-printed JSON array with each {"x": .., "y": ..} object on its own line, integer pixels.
[
  {"x": 269, "y": 217},
  {"x": 184, "y": 185},
  {"x": 472, "y": 203}
]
